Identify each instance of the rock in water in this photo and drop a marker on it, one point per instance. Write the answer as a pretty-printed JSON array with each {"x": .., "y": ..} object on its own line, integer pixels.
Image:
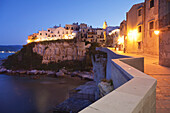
[
  {"x": 72, "y": 105},
  {"x": 60, "y": 73}
]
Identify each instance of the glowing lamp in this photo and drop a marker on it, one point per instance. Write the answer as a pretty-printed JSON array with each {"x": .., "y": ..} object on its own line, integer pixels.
[
  {"x": 121, "y": 40},
  {"x": 28, "y": 41},
  {"x": 156, "y": 32}
]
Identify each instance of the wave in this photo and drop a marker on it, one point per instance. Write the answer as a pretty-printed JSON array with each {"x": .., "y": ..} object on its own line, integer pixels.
[{"x": 7, "y": 51}]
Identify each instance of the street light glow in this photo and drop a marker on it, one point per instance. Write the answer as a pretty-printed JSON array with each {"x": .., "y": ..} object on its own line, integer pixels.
[{"x": 156, "y": 32}]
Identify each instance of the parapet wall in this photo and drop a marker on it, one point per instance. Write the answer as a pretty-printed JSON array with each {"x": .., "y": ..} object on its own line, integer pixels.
[{"x": 135, "y": 92}]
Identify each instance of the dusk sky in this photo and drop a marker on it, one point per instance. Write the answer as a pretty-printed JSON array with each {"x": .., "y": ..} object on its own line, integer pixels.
[{"x": 20, "y": 18}]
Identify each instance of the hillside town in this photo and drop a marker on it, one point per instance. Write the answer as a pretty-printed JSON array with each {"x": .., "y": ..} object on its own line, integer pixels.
[
  {"x": 144, "y": 31},
  {"x": 81, "y": 32},
  {"x": 124, "y": 68}
]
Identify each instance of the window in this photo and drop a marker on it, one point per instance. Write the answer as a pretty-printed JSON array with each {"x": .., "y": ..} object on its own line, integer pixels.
[
  {"x": 48, "y": 35},
  {"x": 71, "y": 28},
  {"x": 151, "y": 25},
  {"x": 66, "y": 32},
  {"x": 139, "y": 12},
  {"x": 58, "y": 32},
  {"x": 48, "y": 30},
  {"x": 151, "y": 3},
  {"x": 40, "y": 33},
  {"x": 45, "y": 33},
  {"x": 139, "y": 45},
  {"x": 139, "y": 29}
]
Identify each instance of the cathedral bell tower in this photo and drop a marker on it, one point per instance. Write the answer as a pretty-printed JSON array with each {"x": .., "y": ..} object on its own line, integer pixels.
[{"x": 104, "y": 28}]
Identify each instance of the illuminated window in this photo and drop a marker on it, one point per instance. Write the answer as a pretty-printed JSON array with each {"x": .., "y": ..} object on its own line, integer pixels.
[
  {"x": 151, "y": 25},
  {"x": 139, "y": 12},
  {"x": 139, "y": 29},
  {"x": 151, "y": 3}
]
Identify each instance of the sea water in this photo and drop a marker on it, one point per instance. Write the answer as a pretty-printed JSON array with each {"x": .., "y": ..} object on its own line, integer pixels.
[{"x": 25, "y": 95}]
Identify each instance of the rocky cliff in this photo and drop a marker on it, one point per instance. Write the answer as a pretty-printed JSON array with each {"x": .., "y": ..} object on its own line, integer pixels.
[
  {"x": 50, "y": 55},
  {"x": 60, "y": 51}
]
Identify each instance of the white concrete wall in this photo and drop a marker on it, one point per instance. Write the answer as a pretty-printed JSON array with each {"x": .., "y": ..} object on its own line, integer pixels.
[{"x": 137, "y": 95}]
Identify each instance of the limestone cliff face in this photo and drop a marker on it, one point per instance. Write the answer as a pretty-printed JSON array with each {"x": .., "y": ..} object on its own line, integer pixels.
[{"x": 60, "y": 51}]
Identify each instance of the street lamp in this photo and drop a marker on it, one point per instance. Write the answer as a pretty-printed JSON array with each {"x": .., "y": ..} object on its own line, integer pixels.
[{"x": 156, "y": 32}]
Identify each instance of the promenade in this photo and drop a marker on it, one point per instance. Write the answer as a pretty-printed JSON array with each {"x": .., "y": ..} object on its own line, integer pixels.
[{"x": 162, "y": 74}]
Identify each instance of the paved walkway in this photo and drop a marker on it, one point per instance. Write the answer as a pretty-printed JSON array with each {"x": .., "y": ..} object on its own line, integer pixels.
[{"x": 162, "y": 74}]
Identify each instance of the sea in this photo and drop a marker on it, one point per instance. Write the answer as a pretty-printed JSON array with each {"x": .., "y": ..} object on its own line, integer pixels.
[{"x": 26, "y": 95}]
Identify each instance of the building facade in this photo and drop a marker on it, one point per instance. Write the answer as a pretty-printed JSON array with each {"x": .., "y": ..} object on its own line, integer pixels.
[
  {"x": 134, "y": 29},
  {"x": 151, "y": 40},
  {"x": 164, "y": 37},
  {"x": 148, "y": 29}
]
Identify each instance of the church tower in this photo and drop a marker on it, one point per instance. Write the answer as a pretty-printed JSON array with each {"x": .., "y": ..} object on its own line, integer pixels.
[{"x": 104, "y": 27}]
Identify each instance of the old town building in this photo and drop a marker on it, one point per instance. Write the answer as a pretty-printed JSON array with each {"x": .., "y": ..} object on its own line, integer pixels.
[
  {"x": 148, "y": 29},
  {"x": 134, "y": 28},
  {"x": 164, "y": 37}
]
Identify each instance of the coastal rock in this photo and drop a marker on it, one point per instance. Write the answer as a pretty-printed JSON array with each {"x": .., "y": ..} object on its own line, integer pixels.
[
  {"x": 72, "y": 105},
  {"x": 64, "y": 71},
  {"x": 60, "y": 73},
  {"x": 34, "y": 72},
  {"x": 22, "y": 72},
  {"x": 60, "y": 51},
  {"x": 51, "y": 73},
  {"x": 105, "y": 88},
  {"x": 9, "y": 71},
  {"x": 86, "y": 75},
  {"x": 3, "y": 70},
  {"x": 75, "y": 74}
]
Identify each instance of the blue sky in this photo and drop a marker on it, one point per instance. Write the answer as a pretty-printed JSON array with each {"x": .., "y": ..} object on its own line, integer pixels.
[{"x": 20, "y": 18}]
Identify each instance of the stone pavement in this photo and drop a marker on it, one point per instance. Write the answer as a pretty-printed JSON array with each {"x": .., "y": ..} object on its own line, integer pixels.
[{"x": 162, "y": 74}]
